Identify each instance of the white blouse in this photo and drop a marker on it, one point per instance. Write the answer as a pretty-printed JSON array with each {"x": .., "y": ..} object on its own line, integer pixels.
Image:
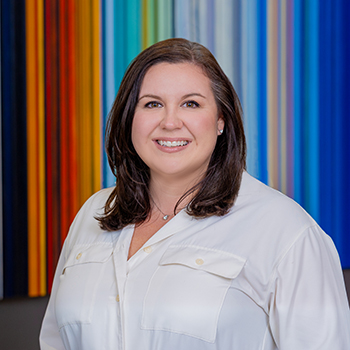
[{"x": 264, "y": 276}]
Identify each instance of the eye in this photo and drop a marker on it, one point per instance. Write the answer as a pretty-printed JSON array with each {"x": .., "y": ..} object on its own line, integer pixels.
[
  {"x": 153, "y": 104},
  {"x": 191, "y": 104}
]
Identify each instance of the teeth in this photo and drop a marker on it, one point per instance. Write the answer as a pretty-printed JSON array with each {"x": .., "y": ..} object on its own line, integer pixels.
[{"x": 172, "y": 143}]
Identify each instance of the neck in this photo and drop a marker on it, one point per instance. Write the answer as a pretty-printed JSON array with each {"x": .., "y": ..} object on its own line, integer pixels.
[{"x": 166, "y": 193}]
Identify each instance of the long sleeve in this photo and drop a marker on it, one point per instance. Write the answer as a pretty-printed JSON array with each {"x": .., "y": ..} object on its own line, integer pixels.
[
  {"x": 309, "y": 308},
  {"x": 49, "y": 336}
]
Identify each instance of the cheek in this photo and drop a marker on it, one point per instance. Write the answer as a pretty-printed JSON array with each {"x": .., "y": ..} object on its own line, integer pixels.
[
  {"x": 138, "y": 130},
  {"x": 205, "y": 128}
]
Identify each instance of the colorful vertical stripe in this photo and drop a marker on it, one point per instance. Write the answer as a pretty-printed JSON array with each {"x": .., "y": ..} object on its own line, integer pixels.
[{"x": 62, "y": 63}]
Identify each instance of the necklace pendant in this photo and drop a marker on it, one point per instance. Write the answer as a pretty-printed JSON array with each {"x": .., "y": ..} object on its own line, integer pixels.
[{"x": 165, "y": 217}]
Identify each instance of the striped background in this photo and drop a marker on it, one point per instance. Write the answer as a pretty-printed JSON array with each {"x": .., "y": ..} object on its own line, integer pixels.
[{"x": 61, "y": 65}]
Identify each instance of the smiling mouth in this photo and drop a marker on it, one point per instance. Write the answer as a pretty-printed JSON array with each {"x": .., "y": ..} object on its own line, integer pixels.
[{"x": 172, "y": 143}]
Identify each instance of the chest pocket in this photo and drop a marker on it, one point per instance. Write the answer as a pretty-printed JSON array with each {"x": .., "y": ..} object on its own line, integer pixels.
[
  {"x": 186, "y": 293},
  {"x": 79, "y": 281}
]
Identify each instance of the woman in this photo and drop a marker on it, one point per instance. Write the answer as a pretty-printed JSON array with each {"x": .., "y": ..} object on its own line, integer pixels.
[{"x": 188, "y": 251}]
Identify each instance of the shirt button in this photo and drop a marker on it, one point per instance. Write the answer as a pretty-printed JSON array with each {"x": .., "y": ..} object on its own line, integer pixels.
[
  {"x": 117, "y": 298},
  {"x": 147, "y": 249},
  {"x": 199, "y": 261},
  {"x": 78, "y": 256}
]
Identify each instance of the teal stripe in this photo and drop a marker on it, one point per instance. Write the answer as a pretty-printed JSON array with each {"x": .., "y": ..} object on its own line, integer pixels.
[
  {"x": 133, "y": 29},
  {"x": 312, "y": 105},
  {"x": 109, "y": 88}
]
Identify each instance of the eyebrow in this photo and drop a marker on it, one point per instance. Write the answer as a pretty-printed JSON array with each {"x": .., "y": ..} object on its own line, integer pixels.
[{"x": 183, "y": 97}]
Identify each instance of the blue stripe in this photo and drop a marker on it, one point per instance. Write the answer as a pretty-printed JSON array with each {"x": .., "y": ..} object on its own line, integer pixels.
[
  {"x": 298, "y": 101},
  {"x": 326, "y": 54},
  {"x": 262, "y": 95},
  {"x": 341, "y": 116},
  {"x": 249, "y": 78},
  {"x": 211, "y": 26},
  {"x": 345, "y": 158},
  {"x": 183, "y": 19}
]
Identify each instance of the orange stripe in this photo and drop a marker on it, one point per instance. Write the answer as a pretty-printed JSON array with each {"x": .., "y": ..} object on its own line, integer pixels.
[
  {"x": 32, "y": 148},
  {"x": 82, "y": 102},
  {"x": 41, "y": 140},
  {"x": 85, "y": 96},
  {"x": 56, "y": 223},
  {"x": 87, "y": 64},
  {"x": 64, "y": 142},
  {"x": 49, "y": 99}
]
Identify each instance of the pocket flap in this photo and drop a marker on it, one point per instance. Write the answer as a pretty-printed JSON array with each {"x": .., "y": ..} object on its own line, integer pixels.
[
  {"x": 83, "y": 254},
  {"x": 217, "y": 262}
]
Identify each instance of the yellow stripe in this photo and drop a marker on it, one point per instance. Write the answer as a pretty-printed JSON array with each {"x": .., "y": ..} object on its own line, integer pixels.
[
  {"x": 85, "y": 99},
  {"x": 41, "y": 140},
  {"x": 32, "y": 150},
  {"x": 80, "y": 104},
  {"x": 80, "y": 96}
]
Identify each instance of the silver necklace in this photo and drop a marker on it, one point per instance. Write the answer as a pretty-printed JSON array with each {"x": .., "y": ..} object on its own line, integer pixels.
[{"x": 165, "y": 216}]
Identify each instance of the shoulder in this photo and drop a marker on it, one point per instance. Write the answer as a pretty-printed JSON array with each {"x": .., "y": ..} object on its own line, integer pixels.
[
  {"x": 264, "y": 224},
  {"x": 97, "y": 201},
  {"x": 85, "y": 228},
  {"x": 270, "y": 205}
]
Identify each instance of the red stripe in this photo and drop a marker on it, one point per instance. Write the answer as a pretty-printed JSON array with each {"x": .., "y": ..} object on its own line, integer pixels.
[
  {"x": 48, "y": 83},
  {"x": 72, "y": 112},
  {"x": 64, "y": 145}
]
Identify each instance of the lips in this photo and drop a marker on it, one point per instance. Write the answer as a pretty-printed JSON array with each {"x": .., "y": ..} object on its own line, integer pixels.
[{"x": 172, "y": 143}]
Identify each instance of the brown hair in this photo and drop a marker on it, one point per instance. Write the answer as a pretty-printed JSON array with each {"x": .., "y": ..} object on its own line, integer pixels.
[{"x": 129, "y": 202}]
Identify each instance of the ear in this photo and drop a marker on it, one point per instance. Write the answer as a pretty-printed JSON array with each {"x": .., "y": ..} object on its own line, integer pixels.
[{"x": 221, "y": 125}]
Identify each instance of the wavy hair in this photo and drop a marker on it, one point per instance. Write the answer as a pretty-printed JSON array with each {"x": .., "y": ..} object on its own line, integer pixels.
[{"x": 130, "y": 201}]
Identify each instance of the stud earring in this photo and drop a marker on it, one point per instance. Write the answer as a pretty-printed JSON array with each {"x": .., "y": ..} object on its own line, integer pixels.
[{"x": 221, "y": 131}]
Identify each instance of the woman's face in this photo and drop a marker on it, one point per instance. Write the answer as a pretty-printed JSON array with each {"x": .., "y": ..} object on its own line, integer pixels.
[{"x": 176, "y": 122}]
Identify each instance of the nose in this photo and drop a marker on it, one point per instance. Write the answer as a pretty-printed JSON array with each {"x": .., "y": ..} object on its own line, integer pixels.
[{"x": 171, "y": 119}]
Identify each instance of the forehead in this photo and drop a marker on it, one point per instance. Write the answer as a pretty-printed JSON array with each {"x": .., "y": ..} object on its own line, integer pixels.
[{"x": 176, "y": 76}]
